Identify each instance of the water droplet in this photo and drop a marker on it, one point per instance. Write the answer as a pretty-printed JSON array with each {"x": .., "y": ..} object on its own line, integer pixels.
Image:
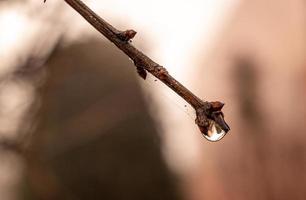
[{"x": 215, "y": 132}]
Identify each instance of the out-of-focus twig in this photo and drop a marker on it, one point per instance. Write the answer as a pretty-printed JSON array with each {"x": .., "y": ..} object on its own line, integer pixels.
[
  {"x": 11, "y": 145},
  {"x": 205, "y": 111}
]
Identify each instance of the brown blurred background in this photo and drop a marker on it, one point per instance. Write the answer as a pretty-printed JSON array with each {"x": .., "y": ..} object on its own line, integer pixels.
[{"x": 76, "y": 121}]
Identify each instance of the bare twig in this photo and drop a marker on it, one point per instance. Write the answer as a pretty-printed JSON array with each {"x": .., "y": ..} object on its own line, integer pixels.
[{"x": 206, "y": 112}]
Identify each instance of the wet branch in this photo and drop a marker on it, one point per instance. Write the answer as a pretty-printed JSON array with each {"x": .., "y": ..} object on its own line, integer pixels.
[{"x": 206, "y": 112}]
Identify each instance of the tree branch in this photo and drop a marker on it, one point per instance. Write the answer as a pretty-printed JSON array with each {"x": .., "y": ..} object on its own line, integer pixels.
[{"x": 207, "y": 113}]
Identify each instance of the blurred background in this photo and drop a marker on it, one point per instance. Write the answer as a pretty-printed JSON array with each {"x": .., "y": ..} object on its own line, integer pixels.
[{"x": 76, "y": 121}]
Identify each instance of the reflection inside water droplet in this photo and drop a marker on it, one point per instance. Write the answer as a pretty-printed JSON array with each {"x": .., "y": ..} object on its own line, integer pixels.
[{"x": 215, "y": 132}]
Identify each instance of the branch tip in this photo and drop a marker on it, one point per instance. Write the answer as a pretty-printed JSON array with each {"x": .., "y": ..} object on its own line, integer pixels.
[{"x": 210, "y": 111}]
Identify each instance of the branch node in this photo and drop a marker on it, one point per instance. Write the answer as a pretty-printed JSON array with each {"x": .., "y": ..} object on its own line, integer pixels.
[
  {"x": 126, "y": 35},
  {"x": 162, "y": 72},
  {"x": 142, "y": 72}
]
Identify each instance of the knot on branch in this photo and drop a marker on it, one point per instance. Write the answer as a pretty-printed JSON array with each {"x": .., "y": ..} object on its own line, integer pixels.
[
  {"x": 126, "y": 35},
  {"x": 161, "y": 72}
]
